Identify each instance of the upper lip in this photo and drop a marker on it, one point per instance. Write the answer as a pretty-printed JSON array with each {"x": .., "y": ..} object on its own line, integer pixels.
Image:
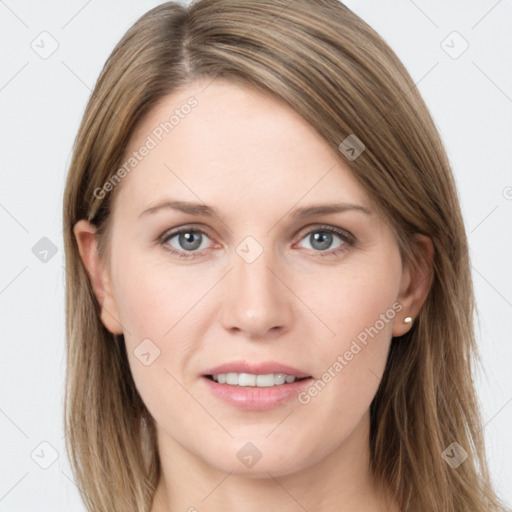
[{"x": 263, "y": 368}]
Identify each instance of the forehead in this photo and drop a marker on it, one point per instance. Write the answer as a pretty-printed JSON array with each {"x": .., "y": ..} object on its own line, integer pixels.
[{"x": 232, "y": 145}]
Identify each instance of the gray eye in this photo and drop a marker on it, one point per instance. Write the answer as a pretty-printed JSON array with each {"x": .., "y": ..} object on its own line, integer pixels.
[
  {"x": 188, "y": 240},
  {"x": 321, "y": 240}
]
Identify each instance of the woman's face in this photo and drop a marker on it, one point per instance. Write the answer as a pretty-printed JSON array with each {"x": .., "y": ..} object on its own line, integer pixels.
[{"x": 258, "y": 283}]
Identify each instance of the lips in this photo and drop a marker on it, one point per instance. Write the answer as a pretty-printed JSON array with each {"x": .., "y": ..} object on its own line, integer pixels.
[
  {"x": 263, "y": 368},
  {"x": 252, "y": 386}
]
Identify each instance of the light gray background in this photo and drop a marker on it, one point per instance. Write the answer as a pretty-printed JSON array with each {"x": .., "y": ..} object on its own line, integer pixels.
[{"x": 41, "y": 103}]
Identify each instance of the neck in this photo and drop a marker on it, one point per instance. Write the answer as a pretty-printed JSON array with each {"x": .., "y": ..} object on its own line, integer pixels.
[{"x": 341, "y": 481}]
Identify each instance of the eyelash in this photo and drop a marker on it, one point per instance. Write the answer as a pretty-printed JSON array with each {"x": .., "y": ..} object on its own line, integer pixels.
[{"x": 346, "y": 237}]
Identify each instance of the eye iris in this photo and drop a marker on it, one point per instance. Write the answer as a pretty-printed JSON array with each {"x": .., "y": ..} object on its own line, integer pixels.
[
  {"x": 322, "y": 238},
  {"x": 187, "y": 241}
]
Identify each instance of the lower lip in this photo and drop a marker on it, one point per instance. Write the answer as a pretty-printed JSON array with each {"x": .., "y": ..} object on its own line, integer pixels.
[{"x": 254, "y": 398}]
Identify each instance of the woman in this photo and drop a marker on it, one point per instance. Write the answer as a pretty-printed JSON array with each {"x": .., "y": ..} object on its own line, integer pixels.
[{"x": 269, "y": 299}]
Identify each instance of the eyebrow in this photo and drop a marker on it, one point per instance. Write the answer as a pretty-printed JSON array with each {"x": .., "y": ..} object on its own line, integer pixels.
[{"x": 300, "y": 213}]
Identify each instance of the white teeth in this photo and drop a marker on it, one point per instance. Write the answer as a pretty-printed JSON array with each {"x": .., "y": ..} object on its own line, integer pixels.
[
  {"x": 232, "y": 378},
  {"x": 265, "y": 381},
  {"x": 246, "y": 379},
  {"x": 280, "y": 378},
  {"x": 249, "y": 379}
]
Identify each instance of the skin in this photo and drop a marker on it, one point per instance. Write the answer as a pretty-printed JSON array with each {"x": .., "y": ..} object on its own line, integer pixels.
[{"x": 251, "y": 157}]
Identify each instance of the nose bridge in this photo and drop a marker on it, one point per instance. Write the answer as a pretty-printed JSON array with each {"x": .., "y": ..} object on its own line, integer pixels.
[{"x": 258, "y": 302}]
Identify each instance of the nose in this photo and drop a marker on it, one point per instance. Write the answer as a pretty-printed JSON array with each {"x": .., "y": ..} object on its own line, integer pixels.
[{"x": 258, "y": 302}]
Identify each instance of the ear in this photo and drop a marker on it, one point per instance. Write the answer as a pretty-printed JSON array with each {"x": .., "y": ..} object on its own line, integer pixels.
[
  {"x": 85, "y": 234},
  {"x": 415, "y": 285}
]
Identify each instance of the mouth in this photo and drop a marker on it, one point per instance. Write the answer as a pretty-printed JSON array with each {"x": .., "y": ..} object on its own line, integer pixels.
[
  {"x": 268, "y": 380},
  {"x": 252, "y": 386}
]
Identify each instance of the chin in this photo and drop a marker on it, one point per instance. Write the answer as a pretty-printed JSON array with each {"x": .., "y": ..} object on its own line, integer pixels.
[{"x": 261, "y": 458}]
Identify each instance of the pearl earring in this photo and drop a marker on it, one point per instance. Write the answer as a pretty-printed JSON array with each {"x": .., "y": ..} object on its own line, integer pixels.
[{"x": 407, "y": 320}]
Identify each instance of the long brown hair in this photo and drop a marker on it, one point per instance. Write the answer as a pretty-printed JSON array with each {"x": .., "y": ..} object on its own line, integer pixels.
[{"x": 342, "y": 78}]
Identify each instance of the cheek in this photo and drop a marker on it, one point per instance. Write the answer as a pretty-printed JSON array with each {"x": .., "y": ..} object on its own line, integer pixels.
[
  {"x": 153, "y": 295},
  {"x": 357, "y": 300},
  {"x": 360, "y": 308},
  {"x": 153, "y": 303}
]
